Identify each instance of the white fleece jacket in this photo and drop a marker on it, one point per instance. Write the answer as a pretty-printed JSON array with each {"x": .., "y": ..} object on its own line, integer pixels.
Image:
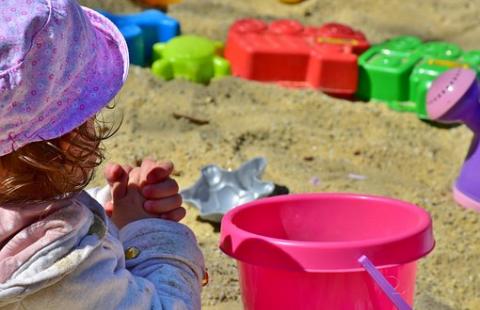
[{"x": 72, "y": 257}]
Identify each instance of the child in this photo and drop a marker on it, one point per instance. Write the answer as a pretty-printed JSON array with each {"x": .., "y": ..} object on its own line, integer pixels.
[{"x": 59, "y": 65}]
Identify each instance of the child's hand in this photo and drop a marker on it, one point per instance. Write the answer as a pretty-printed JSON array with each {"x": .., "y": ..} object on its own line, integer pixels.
[
  {"x": 114, "y": 173},
  {"x": 159, "y": 190},
  {"x": 127, "y": 200}
]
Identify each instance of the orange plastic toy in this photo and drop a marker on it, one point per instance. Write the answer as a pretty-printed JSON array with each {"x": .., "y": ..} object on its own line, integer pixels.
[
  {"x": 288, "y": 53},
  {"x": 291, "y": 1},
  {"x": 162, "y": 4}
]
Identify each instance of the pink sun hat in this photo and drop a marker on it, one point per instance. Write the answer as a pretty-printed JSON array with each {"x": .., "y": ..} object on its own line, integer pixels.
[{"x": 60, "y": 64}]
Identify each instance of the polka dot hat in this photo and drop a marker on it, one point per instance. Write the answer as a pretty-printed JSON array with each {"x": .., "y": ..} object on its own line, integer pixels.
[{"x": 59, "y": 65}]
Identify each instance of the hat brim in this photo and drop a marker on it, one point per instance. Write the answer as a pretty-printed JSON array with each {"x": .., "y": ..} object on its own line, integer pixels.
[
  {"x": 110, "y": 73},
  {"x": 110, "y": 32},
  {"x": 75, "y": 89}
]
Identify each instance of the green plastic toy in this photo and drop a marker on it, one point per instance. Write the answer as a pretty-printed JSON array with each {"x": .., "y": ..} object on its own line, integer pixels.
[
  {"x": 385, "y": 68},
  {"x": 190, "y": 57},
  {"x": 400, "y": 71}
]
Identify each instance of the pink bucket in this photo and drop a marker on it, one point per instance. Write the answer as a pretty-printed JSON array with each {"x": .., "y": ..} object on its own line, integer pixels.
[{"x": 303, "y": 251}]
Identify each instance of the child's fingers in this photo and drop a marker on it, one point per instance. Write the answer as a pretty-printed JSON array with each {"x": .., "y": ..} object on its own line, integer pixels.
[
  {"x": 163, "y": 189},
  {"x": 175, "y": 215},
  {"x": 127, "y": 168},
  {"x": 135, "y": 176},
  {"x": 146, "y": 167},
  {"x": 119, "y": 185},
  {"x": 156, "y": 171},
  {"x": 163, "y": 205},
  {"x": 113, "y": 173}
]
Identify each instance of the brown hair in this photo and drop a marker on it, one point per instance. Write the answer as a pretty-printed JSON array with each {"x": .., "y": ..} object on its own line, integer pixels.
[{"x": 53, "y": 169}]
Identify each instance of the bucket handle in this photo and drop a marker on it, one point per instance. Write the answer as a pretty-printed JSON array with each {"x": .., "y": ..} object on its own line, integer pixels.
[{"x": 388, "y": 289}]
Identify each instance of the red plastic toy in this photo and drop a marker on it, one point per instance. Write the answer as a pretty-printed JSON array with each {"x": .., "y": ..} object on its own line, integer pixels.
[{"x": 286, "y": 52}]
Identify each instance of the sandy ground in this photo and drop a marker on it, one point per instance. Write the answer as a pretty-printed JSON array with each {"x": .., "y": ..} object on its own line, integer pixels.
[{"x": 397, "y": 154}]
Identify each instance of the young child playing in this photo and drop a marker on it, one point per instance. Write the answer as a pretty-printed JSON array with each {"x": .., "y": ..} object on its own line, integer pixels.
[{"x": 60, "y": 64}]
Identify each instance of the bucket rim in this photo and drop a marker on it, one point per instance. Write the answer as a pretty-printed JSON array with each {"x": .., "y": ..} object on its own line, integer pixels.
[{"x": 335, "y": 256}]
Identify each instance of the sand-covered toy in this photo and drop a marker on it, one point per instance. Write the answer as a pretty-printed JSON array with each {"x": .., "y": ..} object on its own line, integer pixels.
[{"x": 218, "y": 190}]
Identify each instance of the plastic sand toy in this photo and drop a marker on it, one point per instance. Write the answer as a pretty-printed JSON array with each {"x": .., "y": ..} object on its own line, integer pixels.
[
  {"x": 291, "y": 1},
  {"x": 290, "y": 54},
  {"x": 218, "y": 191},
  {"x": 385, "y": 69},
  {"x": 401, "y": 70},
  {"x": 143, "y": 30},
  {"x": 160, "y": 4},
  {"x": 453, "y": 98},
  {"x": 190, "y": 57},
  {"x": 327, "y": 251}
]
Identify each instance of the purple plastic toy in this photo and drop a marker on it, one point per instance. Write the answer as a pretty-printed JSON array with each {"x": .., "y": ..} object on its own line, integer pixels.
[{"x": 454, "y": 98}]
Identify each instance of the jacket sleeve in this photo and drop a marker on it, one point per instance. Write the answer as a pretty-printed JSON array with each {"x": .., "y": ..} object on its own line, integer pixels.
[{"x": 164, "y": 254}]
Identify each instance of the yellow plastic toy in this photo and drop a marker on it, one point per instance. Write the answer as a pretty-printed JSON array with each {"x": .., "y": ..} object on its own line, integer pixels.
[
  {"x": 290, "y": 1},
  {"x": 160, "y": 4}
]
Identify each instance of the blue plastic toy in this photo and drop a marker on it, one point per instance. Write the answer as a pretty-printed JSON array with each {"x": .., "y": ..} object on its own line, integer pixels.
[{"x": 142, "y": 30}]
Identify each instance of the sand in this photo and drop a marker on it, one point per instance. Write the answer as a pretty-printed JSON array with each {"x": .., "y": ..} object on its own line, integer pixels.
[{"x": 313, "y": 143}]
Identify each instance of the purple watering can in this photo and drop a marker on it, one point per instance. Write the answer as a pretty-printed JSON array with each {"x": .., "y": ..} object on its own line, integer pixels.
[{"x": 454, "y": 98}]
